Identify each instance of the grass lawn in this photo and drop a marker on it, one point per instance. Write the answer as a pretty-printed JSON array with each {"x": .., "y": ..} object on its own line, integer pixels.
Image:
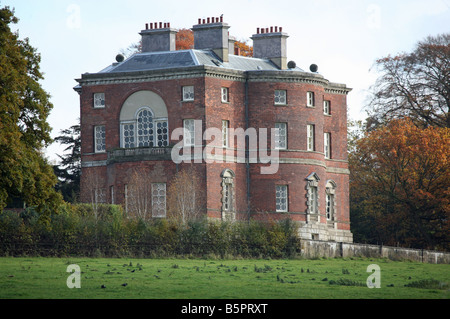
[{"x": 127, "y": 278}]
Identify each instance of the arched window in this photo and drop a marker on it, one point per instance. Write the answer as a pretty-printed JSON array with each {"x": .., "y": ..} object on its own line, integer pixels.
[
  {"x": 330, "y": 193},
  {"x": 144, "y": 121},
  {"x": 312, "y": 194},
  {"x": 228, "y": 195}
]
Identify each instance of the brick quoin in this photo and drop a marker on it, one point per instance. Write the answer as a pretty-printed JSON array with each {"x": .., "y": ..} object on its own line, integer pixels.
[{"x": 251, "y": 82}]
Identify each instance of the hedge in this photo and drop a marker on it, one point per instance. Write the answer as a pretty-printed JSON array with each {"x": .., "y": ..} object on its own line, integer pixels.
[{"x": 74, "y": 231}]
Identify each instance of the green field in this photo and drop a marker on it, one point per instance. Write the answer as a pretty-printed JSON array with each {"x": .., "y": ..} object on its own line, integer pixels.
[{"x": 36, "y": 278}]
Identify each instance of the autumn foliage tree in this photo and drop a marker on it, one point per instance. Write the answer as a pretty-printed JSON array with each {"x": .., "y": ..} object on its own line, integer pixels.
[{"x": 400, "y": 185}]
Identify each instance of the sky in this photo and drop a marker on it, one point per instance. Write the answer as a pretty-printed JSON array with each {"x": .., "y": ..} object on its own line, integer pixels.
[{"x": 344, "y": 38}]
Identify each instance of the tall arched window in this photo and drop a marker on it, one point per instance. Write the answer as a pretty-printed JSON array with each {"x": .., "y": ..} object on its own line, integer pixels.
[
  {"x": 312, "y": 197},
  {"x": 228, "y": 195},
  {"x": 145, "y": 136},
  {"x": 330, "y": 193}
]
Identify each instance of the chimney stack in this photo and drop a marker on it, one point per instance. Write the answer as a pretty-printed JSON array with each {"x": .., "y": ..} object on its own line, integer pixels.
[
  {"x": 213, "y": 35},
  {"x": 270, "y": 43},
  {"x": 158, "y": 36}
]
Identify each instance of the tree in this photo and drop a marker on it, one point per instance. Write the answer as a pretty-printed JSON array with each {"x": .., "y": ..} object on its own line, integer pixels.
[
  {"x": 185, "y": 198},
  {"x": 415, "y": 85},
  {"x": 69, "y": 170},
  {"x": 184, "y": 39},
  {"x": 24, "y": 131},
  {"x": 400, "y": 185},
  {"x": 139, "y": 194}
]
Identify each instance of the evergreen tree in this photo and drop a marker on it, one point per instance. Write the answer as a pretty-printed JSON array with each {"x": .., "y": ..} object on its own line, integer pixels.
[{"x": 24, "y": 131}]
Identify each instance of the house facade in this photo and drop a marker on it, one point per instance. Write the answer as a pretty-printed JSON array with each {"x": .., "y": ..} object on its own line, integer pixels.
[{"x": 266, "y": 138}]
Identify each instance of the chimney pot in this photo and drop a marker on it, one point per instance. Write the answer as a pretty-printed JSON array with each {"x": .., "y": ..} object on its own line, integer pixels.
[
  {"x": 146, "y": 26},
  {"x": 199, "y": 21},
  {"x": 207, "y": 20},
  {"x": 281, "y": 29},
  {"x": 204, "y": 21},
  {"x": 257, "y": 30},
  {"x": 160, "y": 25},
  {"x": 221, "y": 18},
  {"x": 276, "y": 29},
  {"x": 271, "y": 29}
]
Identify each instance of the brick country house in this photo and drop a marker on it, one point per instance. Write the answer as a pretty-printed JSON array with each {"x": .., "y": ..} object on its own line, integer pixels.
[{"x": 132, "y": 111}]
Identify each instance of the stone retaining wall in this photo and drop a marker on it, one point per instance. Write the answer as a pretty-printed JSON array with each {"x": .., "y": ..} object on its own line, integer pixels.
[{"x": 318, "y": 249}]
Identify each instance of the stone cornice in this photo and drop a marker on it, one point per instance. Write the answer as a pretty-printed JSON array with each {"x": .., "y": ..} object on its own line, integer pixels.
[{"x": 88, "y": 79}]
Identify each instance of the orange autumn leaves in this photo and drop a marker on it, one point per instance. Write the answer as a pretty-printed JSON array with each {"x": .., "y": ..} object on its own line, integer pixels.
[{"x": 405, "y": 169}]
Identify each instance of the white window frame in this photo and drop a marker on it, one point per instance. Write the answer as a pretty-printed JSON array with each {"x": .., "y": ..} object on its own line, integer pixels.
[
  {"x": 99, "y": 100},
  {"x": 326, "y": 107},
  {"x": 189, "y": 132},
  {"x": 280, "y": 97},
  {"x": 188, "y": 93},
  {"x": 327, "y": 145},
  {"x": 101, "y": 140},
  {"x": 310, "y": 99},
  {"x": 281, "y": 136},
  {"x": 159, "y": 200},
  {"x": 330, "y": 200},
  {"x": 225, "y": 133},
  {"x": 310, "y": 137},
  {"x": 225, "y": 94},
  {"x": 281, "y": 193},
  {"x": 122, "y": 134}
]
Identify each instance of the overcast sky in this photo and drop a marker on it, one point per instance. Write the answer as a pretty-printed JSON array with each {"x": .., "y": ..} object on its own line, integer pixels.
[{"x": 343, "y": 37}]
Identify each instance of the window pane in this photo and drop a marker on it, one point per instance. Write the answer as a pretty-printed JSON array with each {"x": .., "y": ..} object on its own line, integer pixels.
[
  {"x": 310, "y": 98},
  {"x": 158, "y": 200},
  {"x": 145, "y": 129},
  {"x": 99, "y": 100},
  {"x": 326, "y": 143},
  {"x": 224, "y": 94},
  {"x": 326, "y": 107},
  {"x": 188, "y": 93},
  {"x": 162, "y": 131},
  {"x": 280, "y": 97},
  {"x": 281, "y": 198},
  {"x": 280, "y": 136},
  {"x": 99, "y": 139},
  {"x": 310, "y": 137},
  {"x": 128, "y": 135},
  {"x": 225, "y": 125},
  {"x": 189, "y": 132}
]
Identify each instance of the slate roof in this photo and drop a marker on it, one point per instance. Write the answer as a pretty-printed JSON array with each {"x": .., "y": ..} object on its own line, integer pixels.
[{"x": 186, "y": 58}]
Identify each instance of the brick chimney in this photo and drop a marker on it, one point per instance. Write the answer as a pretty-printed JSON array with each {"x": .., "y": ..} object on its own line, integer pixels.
[
  {"x": 212, "y": 33},
  {"x": 270, "y": 43},
  {"x": 158, "y": 36}
]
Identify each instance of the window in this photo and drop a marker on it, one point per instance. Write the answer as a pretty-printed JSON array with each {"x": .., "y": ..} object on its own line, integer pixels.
[
  {"x": 327, "y": 144},
  {"x": 111, "y": 188},
  {"x": 162, "y": 132},
  {"x": 99, "y": 139},
  {"x": 326, "y": 107},
  {"x": 158, "y": 199},
  {"x": 225, "y": 95},
  {"x": 228, "y": 210},
  {"x": 189, "y": 132},
  {"x": 225, "y": 126},
  {"x": 330, "y": 200},
  {"x": 188, "y": 93},
  {"x": 280, "y": 97},
  {"x": 281, "y": 198},
  {"x": 310, "y": 99},
  {"x": 312, "y": 194},
  {"x": 145, "y": 131},
  {"x": 310, "y": 137},
  {"x": 129, "y": 140},
  {"x": 99, "y": 100},
  {"x": 281, "y": 136}
]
